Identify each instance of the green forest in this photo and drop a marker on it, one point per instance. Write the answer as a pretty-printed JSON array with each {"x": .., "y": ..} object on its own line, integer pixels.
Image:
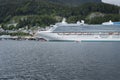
[{"x": 33, "y": 13}]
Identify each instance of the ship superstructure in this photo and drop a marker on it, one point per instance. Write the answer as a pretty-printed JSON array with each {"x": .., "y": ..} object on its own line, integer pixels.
[{"x": 81, "y": 32}]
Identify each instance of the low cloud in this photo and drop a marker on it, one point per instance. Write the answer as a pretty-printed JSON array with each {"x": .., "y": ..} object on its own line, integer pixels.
[{"x": 116, "y": 2}]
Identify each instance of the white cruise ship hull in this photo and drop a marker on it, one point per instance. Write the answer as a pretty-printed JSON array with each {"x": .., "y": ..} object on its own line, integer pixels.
[{"x": 49, "y": 36}]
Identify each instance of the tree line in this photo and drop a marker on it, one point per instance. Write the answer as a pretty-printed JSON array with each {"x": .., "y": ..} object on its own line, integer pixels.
[{"x": 44, "y": 13}]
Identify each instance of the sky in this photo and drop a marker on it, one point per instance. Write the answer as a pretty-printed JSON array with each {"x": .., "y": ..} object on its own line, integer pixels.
[{"x": 116, "y": 2}]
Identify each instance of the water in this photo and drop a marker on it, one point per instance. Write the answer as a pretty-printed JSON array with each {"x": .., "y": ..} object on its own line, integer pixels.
[{"x": 32, "y": 60}]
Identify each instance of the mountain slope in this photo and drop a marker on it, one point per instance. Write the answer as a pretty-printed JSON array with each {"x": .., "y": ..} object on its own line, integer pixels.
[
  {"x": 43, "y": 12},
  {"x": 74, "y": 2},
  {"x": 63, "y": 2}
]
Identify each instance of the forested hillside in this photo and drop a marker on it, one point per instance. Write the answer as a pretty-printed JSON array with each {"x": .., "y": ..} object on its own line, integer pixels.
[
  {"x": 63, "y": 2},
  {"x": 42, "y": 13}
]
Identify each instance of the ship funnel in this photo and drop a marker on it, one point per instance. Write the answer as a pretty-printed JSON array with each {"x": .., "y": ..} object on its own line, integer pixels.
[
  {"x": 110, "y": 21},
  {"x": 82, "y": 21},
  {"x": 64, "y": 21},
  {"x": 78, "y": 22}
]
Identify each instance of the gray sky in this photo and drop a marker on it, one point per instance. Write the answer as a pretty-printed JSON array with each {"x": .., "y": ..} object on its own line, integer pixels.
[{"x": 116, "y": 2}]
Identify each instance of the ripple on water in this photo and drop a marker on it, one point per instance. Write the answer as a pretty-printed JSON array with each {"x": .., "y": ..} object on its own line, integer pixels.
[{"x": 32, "y": 60}]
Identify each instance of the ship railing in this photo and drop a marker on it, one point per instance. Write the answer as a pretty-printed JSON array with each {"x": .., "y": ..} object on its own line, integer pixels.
[{"x": 86, "y": 33}]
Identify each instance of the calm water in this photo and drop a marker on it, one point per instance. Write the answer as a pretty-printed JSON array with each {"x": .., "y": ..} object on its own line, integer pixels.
[{"x": 32, "y": 60}]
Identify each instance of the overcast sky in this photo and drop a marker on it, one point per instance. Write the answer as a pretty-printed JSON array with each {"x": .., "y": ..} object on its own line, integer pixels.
[{"x": 116, "y": 2}]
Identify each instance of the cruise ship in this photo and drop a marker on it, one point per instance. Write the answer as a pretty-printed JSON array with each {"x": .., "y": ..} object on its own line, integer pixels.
[{"x": 80, "y": 31}]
